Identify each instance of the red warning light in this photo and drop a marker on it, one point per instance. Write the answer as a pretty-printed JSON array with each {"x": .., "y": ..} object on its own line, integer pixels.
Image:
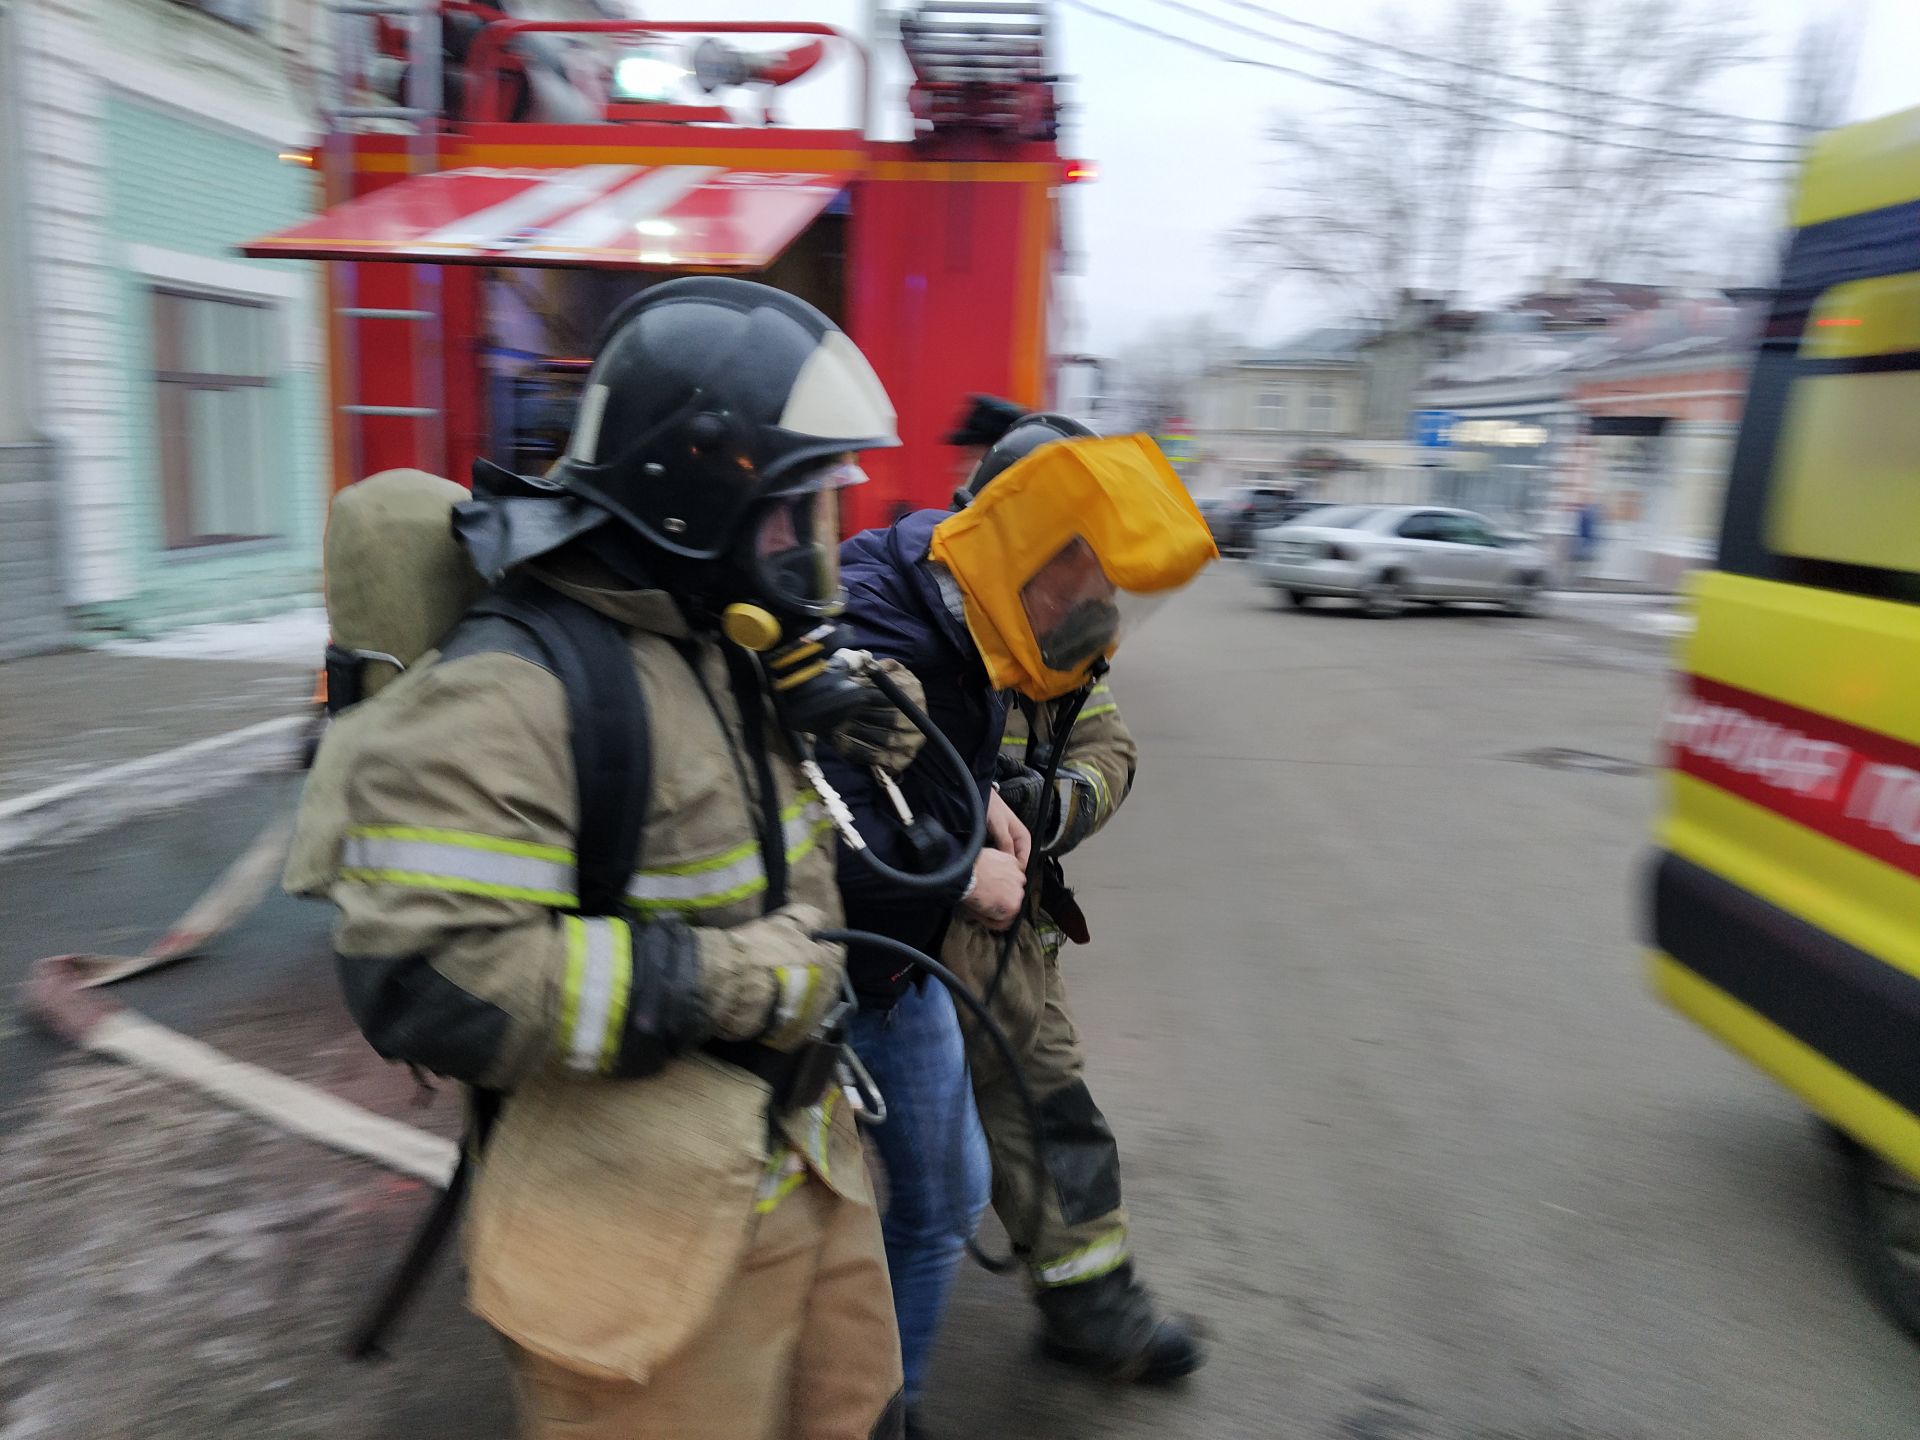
[{"x": 1081, "y": 172}]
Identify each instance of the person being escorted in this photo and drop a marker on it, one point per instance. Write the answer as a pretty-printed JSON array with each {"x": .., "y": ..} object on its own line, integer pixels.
[
  {"x": 671, "y": 1223},
  {"x": 1026, "y": 591},
  {"x": 1058, "y": 1194}
]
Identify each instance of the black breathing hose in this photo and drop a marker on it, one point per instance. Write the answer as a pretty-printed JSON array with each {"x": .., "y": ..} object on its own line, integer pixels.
[
  {"x": 957, "y": 987},
  {"x": 962, "y": 865},
  {"x": 1057, "y": 738}
]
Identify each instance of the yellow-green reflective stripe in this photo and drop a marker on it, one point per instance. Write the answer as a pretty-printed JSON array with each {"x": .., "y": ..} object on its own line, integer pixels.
[
  {"x": 1088, "y": 1263},
  {"x": 599, "y": 977},
  {"x": 1018, "y": 742},
  {"x": 462, "y": 839},
  {"x": 572, "y": 979},
  {"x": 458, "y": 861},
  {"x": 622, "y": 992},
  {"x": 1102, "y": 798},
  {"x": 797, "y": 984},
  {"x": 822, "y": 1124},
  {"x": 413, "y": 880},
  {"x": 785, "y": 1170},
  {"x": 1093, "y": 710},
  {"x": 702, "y": 885},
  {"x": 797, "y": 848}
]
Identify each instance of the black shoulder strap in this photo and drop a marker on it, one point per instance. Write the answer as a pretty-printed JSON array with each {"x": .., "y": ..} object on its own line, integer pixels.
[{"x": 607, "y": 724}]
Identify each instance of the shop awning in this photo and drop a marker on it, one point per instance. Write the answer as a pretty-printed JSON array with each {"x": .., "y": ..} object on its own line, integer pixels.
[{"x": 614, "y": 217}]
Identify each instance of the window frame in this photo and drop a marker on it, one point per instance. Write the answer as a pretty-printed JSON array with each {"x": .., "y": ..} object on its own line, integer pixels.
[
  {"x": 1872, "y": 245},
  {"x": 173, "y": 450},
  {"x": 260, "y": 24},
  {"x": 1320, "y": 408},
  {"x": 1270, "y": 417}
]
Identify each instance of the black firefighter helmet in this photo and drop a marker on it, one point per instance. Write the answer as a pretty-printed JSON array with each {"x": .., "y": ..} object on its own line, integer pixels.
[
  {"x": 710, "y": 398},
  {"x": 1025, "y": 437}
]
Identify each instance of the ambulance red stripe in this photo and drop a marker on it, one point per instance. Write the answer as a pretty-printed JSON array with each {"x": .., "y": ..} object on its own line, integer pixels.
[{"x": 1854, "y": 785}]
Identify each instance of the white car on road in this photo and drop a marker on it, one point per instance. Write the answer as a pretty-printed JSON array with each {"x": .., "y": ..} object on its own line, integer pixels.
[{"x": 1387, "y": 556}]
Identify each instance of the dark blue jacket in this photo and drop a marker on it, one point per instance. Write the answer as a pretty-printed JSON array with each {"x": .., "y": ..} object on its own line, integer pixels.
[{"x": 895, "y": 609}]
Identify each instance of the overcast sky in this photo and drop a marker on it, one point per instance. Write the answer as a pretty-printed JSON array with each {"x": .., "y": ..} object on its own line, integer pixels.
[{"x": 1177, "y": 137}]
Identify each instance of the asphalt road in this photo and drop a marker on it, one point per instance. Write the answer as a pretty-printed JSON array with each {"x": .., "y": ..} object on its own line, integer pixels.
[{"x": 1399, "y": 1117}]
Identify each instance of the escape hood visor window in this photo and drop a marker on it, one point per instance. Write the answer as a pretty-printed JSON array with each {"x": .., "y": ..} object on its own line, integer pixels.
[{"x": 1064, "y": 552}]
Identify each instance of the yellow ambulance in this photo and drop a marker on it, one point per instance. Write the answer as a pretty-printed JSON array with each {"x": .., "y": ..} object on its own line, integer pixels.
[{"x": 1785, "y": 904}]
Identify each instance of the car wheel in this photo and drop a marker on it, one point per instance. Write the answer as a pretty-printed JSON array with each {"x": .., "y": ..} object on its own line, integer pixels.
[
  {"x": 1298, "y": 599},
  {"x": 1526, "y": 595},
  {"x": 1885, "y": 1205},
  {"x": 1383, "y": 598}
]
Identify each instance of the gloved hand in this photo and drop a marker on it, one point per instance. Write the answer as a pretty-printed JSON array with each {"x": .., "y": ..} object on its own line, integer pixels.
[
  {"x": 1021, "y": 786},
  {"x": 1027, "y": 795},
  {"x": 768, "y": 979},
  {"x": 877, "y": 732}
]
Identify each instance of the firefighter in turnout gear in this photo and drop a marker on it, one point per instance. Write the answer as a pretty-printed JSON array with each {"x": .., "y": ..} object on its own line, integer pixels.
[
  {"x": 670, "y": 1222},
  {"x": 1070, "y": 1232}
]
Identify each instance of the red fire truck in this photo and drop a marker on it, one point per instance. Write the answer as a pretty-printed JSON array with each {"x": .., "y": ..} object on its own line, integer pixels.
[{"x": 497, "y": 184}]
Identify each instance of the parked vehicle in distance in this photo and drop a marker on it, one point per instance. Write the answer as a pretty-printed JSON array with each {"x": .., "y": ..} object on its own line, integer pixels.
[
  {"x": 1388, "y": 556},
  {"x": 1238, "y": 514}
]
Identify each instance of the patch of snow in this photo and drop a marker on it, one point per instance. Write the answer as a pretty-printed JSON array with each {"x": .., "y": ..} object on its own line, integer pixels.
[{"x": 297, "y": 637}]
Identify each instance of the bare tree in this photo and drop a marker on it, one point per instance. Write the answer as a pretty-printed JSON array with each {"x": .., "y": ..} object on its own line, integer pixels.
[
  {"x": 1592, "y": 149},
  {"x": 1635, "y": 73},
  {"x": 1825, "y": 61},
  {"x": 1157, "y": 378},
  {"x": 1381, "y": 194}
]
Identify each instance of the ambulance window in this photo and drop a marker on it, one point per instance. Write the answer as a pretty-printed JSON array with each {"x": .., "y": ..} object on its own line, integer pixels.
[{"x": 1846, "y": 472}]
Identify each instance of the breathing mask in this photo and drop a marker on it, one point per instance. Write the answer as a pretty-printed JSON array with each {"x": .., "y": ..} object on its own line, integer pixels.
[
  {"x": 789, "y": 562},
  {"x": 1065, "y": 553}
]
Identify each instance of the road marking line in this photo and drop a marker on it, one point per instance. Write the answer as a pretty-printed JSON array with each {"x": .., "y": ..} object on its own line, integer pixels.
[{"x": 153, "y": 782}]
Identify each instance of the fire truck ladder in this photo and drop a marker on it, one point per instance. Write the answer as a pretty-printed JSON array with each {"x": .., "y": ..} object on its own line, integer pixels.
[
  {"x": 980, "y": 64},
  {"x": 418, "y": 118}
]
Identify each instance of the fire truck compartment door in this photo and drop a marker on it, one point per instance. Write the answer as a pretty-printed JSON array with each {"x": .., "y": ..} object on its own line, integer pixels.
[{"x": 611, "y": 217}]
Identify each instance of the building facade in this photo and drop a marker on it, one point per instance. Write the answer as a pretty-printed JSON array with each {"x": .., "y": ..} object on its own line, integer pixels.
[
  {"x": 32, "y": 603},
  {"x": 181, "y": 398},
  {"x": 1658, "y": 416},
  {"x": 1282, "y": 417}
]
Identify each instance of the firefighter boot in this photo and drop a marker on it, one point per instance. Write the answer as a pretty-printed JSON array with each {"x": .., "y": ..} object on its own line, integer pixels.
[{"x": 1109, "y": 1326}]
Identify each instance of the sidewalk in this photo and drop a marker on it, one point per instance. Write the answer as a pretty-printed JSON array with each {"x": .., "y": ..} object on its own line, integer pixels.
[{"x": 89, "y": 738}]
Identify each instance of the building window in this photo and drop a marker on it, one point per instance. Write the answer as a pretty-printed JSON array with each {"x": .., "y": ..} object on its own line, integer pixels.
[
  {"x": 1320, "y": 411},
  {"x": 1270, "y": 410},
  {"x": 213, "y": 391},
  {"x": 247, "y": 14}
]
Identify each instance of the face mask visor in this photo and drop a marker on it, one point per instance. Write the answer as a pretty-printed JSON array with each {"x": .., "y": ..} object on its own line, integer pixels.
[
  {"x": 796, "y": 542},
  {"x": 1076, "y": 614}
]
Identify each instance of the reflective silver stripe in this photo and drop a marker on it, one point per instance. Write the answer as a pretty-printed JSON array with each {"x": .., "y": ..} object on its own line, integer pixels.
[
  {"x": 1063, "y": 784},
  {"x": 440, "y": 860},
  {"x": 800, "y": 830},
  {"x": 1095, "y": 782},
  {"x": 723, "y": 883},
  {"x": 596, "y": 995},
  {"x": 795, "y": 982},
  {"x": 1088, "y": 1264}
]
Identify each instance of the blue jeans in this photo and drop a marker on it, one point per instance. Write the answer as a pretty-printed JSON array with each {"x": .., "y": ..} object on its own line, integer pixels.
[{"x": 935, "y": 1153}]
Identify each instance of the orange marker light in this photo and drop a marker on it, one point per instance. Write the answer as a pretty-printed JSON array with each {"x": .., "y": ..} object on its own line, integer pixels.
[
  {"x": 1082, "y": 171},
  {"x": 1839, "y": 320}
]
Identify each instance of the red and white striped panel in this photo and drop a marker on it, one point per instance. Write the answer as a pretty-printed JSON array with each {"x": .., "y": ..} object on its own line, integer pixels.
[{"x": 645, "y": 217}]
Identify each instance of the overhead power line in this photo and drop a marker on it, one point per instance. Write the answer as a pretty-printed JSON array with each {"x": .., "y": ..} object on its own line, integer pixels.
[
  {"x": 1568, "y": 86},
  {"x": 1228, "y": 57},
  {"x": 1666, "y": 132}
]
